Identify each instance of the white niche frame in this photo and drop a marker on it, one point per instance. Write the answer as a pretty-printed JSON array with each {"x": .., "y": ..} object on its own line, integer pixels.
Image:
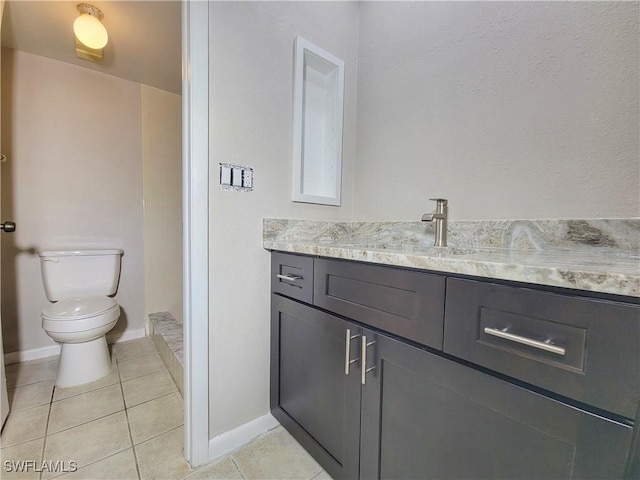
[{"x": 318, "y": 109}]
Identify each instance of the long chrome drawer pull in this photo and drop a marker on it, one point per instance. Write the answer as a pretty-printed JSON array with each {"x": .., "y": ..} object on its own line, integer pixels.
[
  {"x": 546, "y": 346},
  {"x": 364, "y": 369},
  {"x": 347, "y": 351},
  {"x": 289, "y": 278}
]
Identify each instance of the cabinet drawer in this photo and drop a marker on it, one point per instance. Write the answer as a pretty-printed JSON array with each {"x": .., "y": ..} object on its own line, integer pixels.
[
  {"x": 582, "y": 348},
  {"x": 292, "y": 275},
  {"x": 403, "y": 302}
]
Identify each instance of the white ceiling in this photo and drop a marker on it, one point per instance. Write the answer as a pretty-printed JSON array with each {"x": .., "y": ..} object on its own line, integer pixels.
[{"x": 144, "y": 37}]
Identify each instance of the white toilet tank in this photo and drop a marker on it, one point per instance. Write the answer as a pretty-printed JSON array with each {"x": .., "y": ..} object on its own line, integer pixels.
[{"x": 80, "y": 273}]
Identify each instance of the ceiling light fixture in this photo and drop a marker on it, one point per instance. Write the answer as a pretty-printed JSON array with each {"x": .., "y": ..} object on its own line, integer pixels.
[{"x": 91, "y": 36}]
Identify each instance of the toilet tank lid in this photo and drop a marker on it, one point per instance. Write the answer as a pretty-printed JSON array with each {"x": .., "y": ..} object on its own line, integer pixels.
[{"x": 80, "y": 252}]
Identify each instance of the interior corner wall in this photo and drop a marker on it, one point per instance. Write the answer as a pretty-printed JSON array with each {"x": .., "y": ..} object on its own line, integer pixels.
[
  {"x": 251, "y": 104},
  {"x": 162, "y": 195},
  {"x": 508, "y": 109},
  {"x": 73, "y": 178}
]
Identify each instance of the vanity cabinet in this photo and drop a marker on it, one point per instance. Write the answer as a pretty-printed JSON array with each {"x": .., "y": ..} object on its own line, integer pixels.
[
  {"x": 310, "y": 393},
  {"x": 427, "y": 417},
  {"x": 369, "y": 403}
]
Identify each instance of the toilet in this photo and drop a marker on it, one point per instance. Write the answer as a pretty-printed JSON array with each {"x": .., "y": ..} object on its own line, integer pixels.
[{"x": 80, "y": 283}]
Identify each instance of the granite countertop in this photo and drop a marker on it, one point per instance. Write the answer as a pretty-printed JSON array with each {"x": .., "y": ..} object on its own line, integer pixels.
[{"x": 591, "y": 255}]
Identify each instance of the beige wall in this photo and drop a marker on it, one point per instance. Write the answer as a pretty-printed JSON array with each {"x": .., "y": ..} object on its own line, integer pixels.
[
  {"x": 508, "y": 109},
  {"x": 162, "y": 191},
  {"x": 251, "y": 85},
  {"x": 73, "y": 178}
]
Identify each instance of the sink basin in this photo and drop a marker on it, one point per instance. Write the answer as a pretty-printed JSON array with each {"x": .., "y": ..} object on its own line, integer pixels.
[{"x": 411, "y": 248}]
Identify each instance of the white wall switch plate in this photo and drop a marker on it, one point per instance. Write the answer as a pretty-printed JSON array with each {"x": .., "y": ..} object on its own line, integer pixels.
[
  {"x": 236, "y": 177},
  {"x": 225, "y": 175},
  {"x": 247, "y": 178}
]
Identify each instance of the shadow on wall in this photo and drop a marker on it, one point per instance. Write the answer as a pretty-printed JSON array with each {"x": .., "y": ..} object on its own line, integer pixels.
[
  {"x": 9, "y": 293},
  {"x": 10, "y": 251},
  {"x": 118, "y": 331}
]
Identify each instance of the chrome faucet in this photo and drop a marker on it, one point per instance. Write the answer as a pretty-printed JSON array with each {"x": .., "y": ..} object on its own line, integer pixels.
[{"x": 440, "y": 217}]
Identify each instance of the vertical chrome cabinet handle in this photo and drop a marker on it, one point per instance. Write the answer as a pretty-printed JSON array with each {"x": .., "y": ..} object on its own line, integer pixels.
[
  {"x": 347, "y": 351},
  {"x": 364, "y": 368}
]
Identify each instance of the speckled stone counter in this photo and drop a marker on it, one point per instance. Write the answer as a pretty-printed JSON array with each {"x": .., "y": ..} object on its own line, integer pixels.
[{"x": 592, "y": 255}]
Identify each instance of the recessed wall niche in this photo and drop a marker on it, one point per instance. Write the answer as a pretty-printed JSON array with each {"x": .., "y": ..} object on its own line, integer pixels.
[{"x": 317, "y": 124}]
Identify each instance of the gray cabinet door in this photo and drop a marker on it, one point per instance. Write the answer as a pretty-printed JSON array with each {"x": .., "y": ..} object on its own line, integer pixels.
[
  {"x": 310, "y": 393},
  {"x": 427, "y": 417}
]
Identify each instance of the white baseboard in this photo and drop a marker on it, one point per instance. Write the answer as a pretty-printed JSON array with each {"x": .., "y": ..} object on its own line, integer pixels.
[
  {"x": 118, "y": 337},
  {"x": 240, "y": 436},
  {"x": 33, "y": 354},
  {"x": 51, "y": 350}
]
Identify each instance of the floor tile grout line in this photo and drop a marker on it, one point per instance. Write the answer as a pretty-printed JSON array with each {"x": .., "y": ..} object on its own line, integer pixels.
[
  {"x": 46, "y": 428},
  {"x": 135, "y": 455},
  {"x": 150, "y": 400},
  {"x": 82, "y": 393},
  {"x": 153, "y": 399},
  {"x": 123, "y": 409},
  {"x": 138, "y": 358},
  {"x": 317, "y": 474},
  {"x": 116, "y": 364},
  {"x": 23, "y": 364},
  {"x": 30, "y": 383},
  {"x": 126, "y": 413},
  {"x": 194, "y": 471},
  {"x": 145, "y": 374},
  {"x": 233, "y": 460},
  {"x": 159, "y": 434},
  {"x": 35, "y": 361},
  {"x": 13, "y": 410},
  {"x": 155, "y": 350},
  {"x": 50, "y": 403},
  {"x": 88, "y": 421},
  {"x": 93, "y": 419},
  {"x": 104, "y": 416},
  {"x": 100, "y": 460}
]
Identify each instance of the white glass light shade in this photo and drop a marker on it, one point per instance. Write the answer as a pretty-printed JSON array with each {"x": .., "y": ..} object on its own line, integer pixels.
[{"x": 90, "y": 31}]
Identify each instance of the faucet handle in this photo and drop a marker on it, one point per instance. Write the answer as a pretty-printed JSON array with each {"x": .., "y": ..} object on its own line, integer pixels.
[{"x": 440, "y": 201}]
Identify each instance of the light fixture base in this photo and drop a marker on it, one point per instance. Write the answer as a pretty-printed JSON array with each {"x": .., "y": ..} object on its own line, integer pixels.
[
  {"x": 91, "y": 10},
  {"x": 87, "y": 53}
]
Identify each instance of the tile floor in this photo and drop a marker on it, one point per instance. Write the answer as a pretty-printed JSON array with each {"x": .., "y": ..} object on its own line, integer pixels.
[{"x": 128, "y": 425}]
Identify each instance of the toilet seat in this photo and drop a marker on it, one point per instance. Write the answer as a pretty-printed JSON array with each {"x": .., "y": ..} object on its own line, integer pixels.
[
  {"x": 80, "y": 314},
  {"x": 78, "y": 308}
]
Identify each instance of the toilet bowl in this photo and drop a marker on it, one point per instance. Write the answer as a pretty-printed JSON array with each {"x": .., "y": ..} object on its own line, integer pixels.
[
  {"x": 79, "y": 282},
  {"x": 80, "y": 325}
]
